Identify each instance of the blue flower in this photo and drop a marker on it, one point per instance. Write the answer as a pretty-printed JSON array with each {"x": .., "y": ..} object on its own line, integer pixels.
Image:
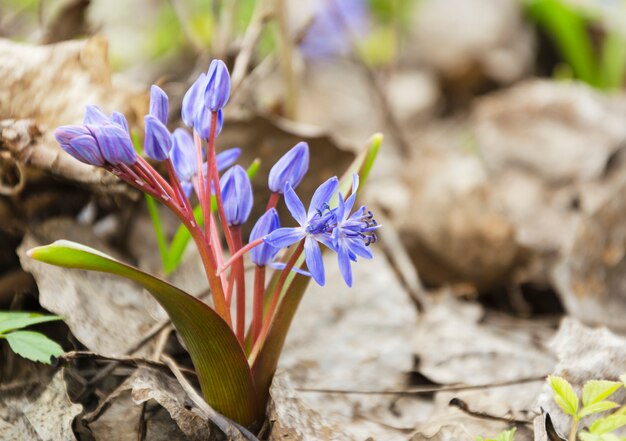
[
  {"x": 183, "y": 155},
  {"x": 217, "y": 91},
  {"x": 335, "y": 25},
  {"x": 158, "y": 104},
  {"x": 315, "y": 226},
  {"x": 119, "y": 119},
  {"x": 353, "y": 233},
  {"x": 193, "y": 101},
  {"x": 158, "y": 141},
  {"x": 290, "y": 168},
  {"x": 79, "y": 142},
  {"x": 115, "y": 144},
  {"x": 202, "y": 123},
  {"x": 236, "y": 195},
  {"x": 263, "y": 255},
  {"x": 94, "y": 115}
]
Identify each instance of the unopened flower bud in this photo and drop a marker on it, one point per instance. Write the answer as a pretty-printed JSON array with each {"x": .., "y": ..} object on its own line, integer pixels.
[
  {"x": 217, "y": 90},
  {"x": 158, "y": 103},
  {"x": 263, "y": 254},
  {"x": 115, "y": 144},
  {"x": 290, "y": 169},
  {"x": 237, "y": 195},
  {"x": 158, "y": 141}
]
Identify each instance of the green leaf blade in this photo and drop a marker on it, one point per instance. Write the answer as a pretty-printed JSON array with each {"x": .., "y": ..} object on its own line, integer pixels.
[
  {"x": 607, "y": 424},
  {"x": 223, "y": 371},
  {"x": 595, "y": 391},
  {"x": 600, "y": 406},
  {"x": 564, "y": 395},
  {"x": 33, "y": 345},
  {"x": 11, "y": 321}
]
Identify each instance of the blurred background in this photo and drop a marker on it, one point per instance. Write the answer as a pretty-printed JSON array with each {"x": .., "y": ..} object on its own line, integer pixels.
[{"x": 500, "y": 182}]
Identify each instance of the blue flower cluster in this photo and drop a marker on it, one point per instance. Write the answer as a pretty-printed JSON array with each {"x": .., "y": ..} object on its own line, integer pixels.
[{"x": 105, "y": 141}]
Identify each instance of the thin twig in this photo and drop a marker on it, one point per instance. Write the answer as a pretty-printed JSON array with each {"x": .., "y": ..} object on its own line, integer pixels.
[
  {"x": 230, "y": 428},
  {"x": 462, "y": 405},
  {"x": 424, "y": 390}
]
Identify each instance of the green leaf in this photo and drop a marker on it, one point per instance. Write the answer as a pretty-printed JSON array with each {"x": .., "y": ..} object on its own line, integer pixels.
[
  {"x": 598, "y": 407},
  {"x": 607, "y": 424},
  {"x": 153, "y": 211},
  {"x": 597, "y": 390},
  {"x": 506, "y": 436},
  {"x": 33, "y": 345},
  {"x": 221, "y": 365},
  {"x": 16, "y": 320},
  {"x": 586, "y": 436},
  {"x": 264, "y": 362},
  {"x": 613, "y": 62},
  {"x": 564, "y": 395}
]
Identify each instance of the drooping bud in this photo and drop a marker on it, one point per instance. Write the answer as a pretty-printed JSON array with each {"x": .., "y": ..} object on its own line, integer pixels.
[
  {"x": 263, "y": 254},
  {"x": 236, "y": 195},
  {"x": 158, "y": 104},
  {"x": 115, "y": 144},
  {"x": 85, "y": 149},
  {"x": 291, "y": 168},
  {"x": 158, "y": 141},
  {"x": 183, "y": 155},
  {"x": 202, "y": 123},
  {"x": 193, "y": 101},
  {"x": 217, "y": 90},
  {"x": 95, "y": 115},
  {"x": 119, "y": 119}
]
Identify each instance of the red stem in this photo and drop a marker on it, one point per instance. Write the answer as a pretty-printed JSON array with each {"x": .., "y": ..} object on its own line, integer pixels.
[
  {"x": 275, "y": 298},
  {"x": 206, "y": 209},
  {"x": 257, "y": 302},
  {"x": 240, "y": 252},
  {"x": 241, "y": 287},
  {"x": 274, "y": 197}
]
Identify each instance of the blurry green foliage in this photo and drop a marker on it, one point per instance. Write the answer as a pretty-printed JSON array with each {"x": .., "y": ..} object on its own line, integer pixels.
[{"x": 602, "y": 65}]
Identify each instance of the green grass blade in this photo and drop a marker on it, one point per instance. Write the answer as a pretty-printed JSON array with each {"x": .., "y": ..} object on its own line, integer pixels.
[
  {"x": 568, "y": 29},
  {"x": 264, "y": 365},
  {"x": 613, "y": 64},
  {"x": 223, "y": 371},
  {"x": 153, "y": 211}
]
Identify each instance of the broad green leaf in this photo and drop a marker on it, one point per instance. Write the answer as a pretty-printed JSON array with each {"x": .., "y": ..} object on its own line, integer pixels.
[
  {"x": 222, "y": 368},
  {"x": 597, "y": 390},
  {"x": 10, "y": 321},
  {"x": 564, "y": 395},
  {"x": 598, "y": 407},
  {"x": 586, "y": 436},
  {"x": 607, "y": 424},
  {"x": 33, "y": 345},
  {"x": 613, "y": 64},
  {"x": 264, "y": 362}
]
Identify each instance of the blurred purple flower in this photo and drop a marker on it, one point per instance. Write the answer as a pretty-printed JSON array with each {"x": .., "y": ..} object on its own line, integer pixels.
[
  {"x": 263, "y": 255},
  {"x": 158, "y": 104},
  {"x": 217, "y": 91},
  {"x": 158, "y": 141},
  {"x": 335, "y": 24},
  {"x": 290, "y": 168},
  {"x": 237, "y": 195}
]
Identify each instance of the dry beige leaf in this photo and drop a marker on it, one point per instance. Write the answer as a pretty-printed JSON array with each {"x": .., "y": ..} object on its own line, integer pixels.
[
  {"x": 104, "y": 312},
  {"x": 48, "y": 86},
  {"x": 45, "y": 414}
]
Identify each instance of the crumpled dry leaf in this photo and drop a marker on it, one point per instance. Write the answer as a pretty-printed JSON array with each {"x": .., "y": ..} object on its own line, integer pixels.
[
  {"x": 291, "y": 419},
  {"x": 339, "y": 331},
  {"x": 76, "y": 73},
  {"x": 45, "y": 414},
  {"x": 591, "y": 274},
  {"x": 148, "y": 384},
  {"x": 584, "y": 354},
  {"x": 104, "y": 312}
]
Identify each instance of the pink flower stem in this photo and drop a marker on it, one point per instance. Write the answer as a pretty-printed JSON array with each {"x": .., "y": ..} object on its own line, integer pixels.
[
  {"x": 257, "y": 302},
  {"x": 241, "y": 287},
  {"x": 240, "y": 252},
  {"x": 274, "y": 198}
]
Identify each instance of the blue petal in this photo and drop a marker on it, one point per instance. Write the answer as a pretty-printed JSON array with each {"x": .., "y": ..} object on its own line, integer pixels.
[
  {"x": 217, "y": 90},
  {"x": 344, "y": 265},
  {"x": 187, "y": 187},
  {"x": 158, "y": 141},
  {"x": 158, "y": 104},
  {"x": 227, "y": 158},
  {"x": 295, "y": 269},
  {"x": 202, "y": 122},
  {"x": 290, "y": 168},
  {"x": 192, "y": 101},
  {"x": 85, "y": 149},
  {"x": 119, "y": 119},
  {"x": 322, "y": 196},
  {"x": 115, "y": 144},
  {"x": 94, "y": 115},
  {"x": 295, "y": 205},
  {"x": 183, "y": 155},
  {"x": 263, "y": 254},
  {"x": 236, "y": 195},
  {"x": 358, "y": 247},
  {"x": 314, "y": 263},
  {"x": 65, "y": 134},
  {"x": 283, "y": 237}
]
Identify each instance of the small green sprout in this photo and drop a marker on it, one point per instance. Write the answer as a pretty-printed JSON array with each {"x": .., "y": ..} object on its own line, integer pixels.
[
  {"x": 594, "y": 401},
  {"x": 29, "y": 344},
  {"x": 502, "y": 436}
]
